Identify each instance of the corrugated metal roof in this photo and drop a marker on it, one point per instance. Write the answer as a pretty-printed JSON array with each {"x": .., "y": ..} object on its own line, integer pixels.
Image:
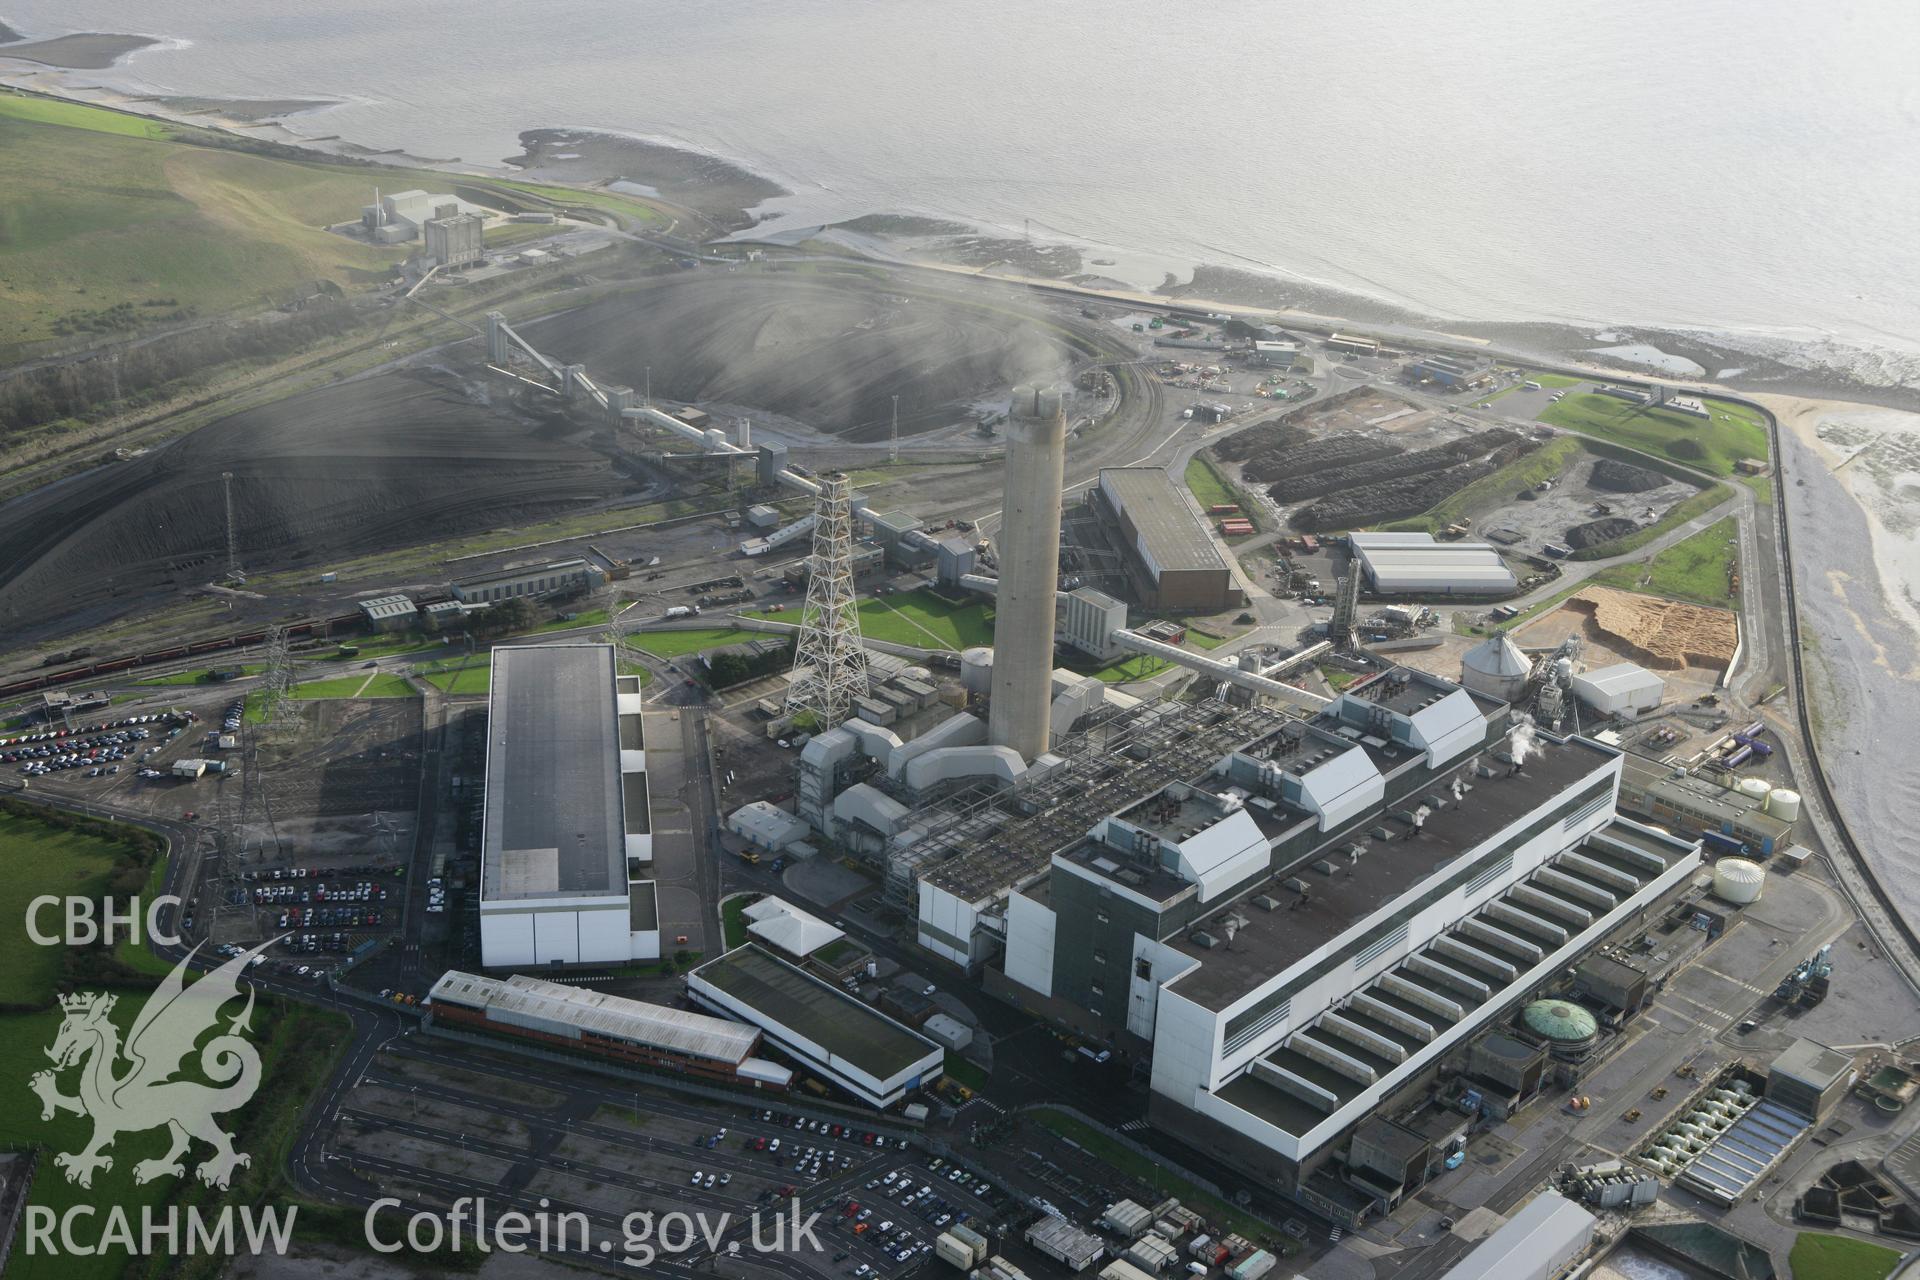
[
  {"x": 531, "y": 1001},
  {"x": 1550, "y": 1227}
]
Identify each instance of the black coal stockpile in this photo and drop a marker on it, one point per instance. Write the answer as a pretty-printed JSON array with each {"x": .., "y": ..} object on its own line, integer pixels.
[
  {"x": 1309, "y": 479},
  {"x": 1318, "y": 455},
  {"x": 1616, "y": 476},
  {"x": 1408, "y": 495},
  {"x": 1595, "y": 532},
  {"x": 1262, "y": 446}
]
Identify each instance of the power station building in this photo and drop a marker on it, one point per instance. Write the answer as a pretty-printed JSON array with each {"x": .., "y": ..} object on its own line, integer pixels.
[
  {"x": 453, "y": 238},
  {"x": 1172, "y": 563},
  {"x": 819, "y": 1025},
  {"x": 1297, "y": 919},
  {"x": 566, "y": 842}
]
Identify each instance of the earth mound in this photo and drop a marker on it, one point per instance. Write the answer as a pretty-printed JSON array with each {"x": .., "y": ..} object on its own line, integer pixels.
[
  {"x": 344, "y": 470},
  {"x": 1616, "y": 476},
  {"x": 1595, "y": 532}
]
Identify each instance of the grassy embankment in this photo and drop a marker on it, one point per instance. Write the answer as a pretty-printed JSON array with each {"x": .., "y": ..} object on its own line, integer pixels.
[
  {"x": 1694, "y": 569},
  {"x": 1823, "y": 1257},
  {"x": 1104, "y": 1149},
  {"x": 1712, "y": 445},
  {"x": 294, "y": 1045},
  {"x": 1212, "y": 487},
  {"x": 1545, "y": 463},
  {"x": 107, "y": 211}
]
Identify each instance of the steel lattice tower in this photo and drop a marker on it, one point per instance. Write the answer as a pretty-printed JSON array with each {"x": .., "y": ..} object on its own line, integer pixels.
[
  {"x": 829, "y": 666},
  {"x": 282, "y": 712}
]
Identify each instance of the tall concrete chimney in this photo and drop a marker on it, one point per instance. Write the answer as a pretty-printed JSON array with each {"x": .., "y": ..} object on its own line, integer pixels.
[{"x": 1020, "y": 714}]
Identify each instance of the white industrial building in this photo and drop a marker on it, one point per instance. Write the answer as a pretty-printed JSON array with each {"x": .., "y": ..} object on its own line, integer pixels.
[
  {"x": 787, "y": 929},
  {"x": 399, "y": 216},
  {"x": 1623, "y": 689},
  {"x": 1536, "y": 1243},
  {"x": 766, "y": 826},
  {"x": 530, "y": 580},
  {"x": 831, "y": 1033},
  {"x": 565, "y": 836},
  {"x": 1415, "y": 564},
  {"x": 1310, "y": 915}
]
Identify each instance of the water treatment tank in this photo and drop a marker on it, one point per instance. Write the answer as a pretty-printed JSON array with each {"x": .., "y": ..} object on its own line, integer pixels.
[
  {"x": 1755, "y": 787},
  {"x": 1568, "y": 1029},
  {"x": 1737, "y": 880},
  {"x": 1784, "y": 804},
  {"x": 976, "y": 669}
]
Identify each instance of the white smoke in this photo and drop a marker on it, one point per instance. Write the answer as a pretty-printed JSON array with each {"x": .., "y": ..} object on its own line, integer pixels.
[
  {"x": 1521, "y": 744},
  {"x": 1459, "y": 790},
  {"x": 1420, "y": 817}
]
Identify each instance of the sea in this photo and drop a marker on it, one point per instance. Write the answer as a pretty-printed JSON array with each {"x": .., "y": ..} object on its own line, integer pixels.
[{"x": 1746, "y": 168}]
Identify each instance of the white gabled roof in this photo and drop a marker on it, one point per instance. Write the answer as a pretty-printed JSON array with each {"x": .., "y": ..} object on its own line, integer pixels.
[
  {"x": 780, "y": 924},
  {"x": 1224, "y": 854},
  {"x": 1621, "y": 677},
  {"x": 1448, "y": 727},
  {"x": 1342, "y": 787}
]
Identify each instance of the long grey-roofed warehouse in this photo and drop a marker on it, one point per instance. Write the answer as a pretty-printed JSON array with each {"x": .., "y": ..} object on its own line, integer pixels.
[
  {"x": 1173, "y": 561},
  {"x": 841, "y": 1039},
  {"x": 566, "y": 812},
  {"x": 605, "y": 1025}
]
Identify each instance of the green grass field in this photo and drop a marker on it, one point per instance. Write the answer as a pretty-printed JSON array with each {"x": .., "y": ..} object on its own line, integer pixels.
[
  {"x": 733, "y": 925},
  {"x": 374, "y": 684},
  {"x": 475, "y": 679},
  {"x": 678, "y": 644},
  {"x": 199, "y": 676},
  {"x": 1734, "y": 432},
  {"x": 1694, "y": 568},
  {"x": 919, "y": 618},
  {"x": 1138, "y": 666},
  {"x": 104, "y": 208},
  {"x": 1211, "y": 488},
  {"x": 1823, "y": 1257},
  {"x": 40, "y": 859}
]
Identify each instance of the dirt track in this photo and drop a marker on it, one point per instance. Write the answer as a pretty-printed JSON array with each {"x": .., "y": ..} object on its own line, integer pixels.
[
  {"x": 829, "y": 352},
  {"x": 344, "y": 470}
]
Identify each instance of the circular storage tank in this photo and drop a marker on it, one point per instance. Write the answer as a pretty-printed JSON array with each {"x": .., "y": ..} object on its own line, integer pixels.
[
  {"x": 976, "y": 669},
  {"x": 1737, "y": 880},
  {"x": 1784, "y": 804},
  {"x": 1755, "y": 787},
  {"x": 1568, "y": 1029}
]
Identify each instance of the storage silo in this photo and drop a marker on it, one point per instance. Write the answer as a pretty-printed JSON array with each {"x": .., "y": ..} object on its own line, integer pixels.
[
  {"x": 1496, "y": 667},
  {"x": 976, "y": 669},
  {"x": 1738, "y": 880},
  {"x": 1784, "y": 804}
]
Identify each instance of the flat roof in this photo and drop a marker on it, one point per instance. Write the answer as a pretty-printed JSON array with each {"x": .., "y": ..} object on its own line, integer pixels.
[
  {"x": 529, "y": 1002},
  {"x": 555, "y": 823},
  {"x": 1273, "y": 941},
  {"x": 817, "y": 1011},
  {"x": 1173, "y": 534},
  {"x": 1812, "y": 1063},
  {"x": 523, "y": 571}
]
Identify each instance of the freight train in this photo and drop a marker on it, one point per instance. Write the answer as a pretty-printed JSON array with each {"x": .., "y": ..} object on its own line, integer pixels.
[{"x": 192, "y": 649}]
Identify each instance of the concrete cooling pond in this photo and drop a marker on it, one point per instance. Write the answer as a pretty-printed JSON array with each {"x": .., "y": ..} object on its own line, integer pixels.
[
  {"x": 346, "y": 470},
  {"x": 826, "y": 352}
]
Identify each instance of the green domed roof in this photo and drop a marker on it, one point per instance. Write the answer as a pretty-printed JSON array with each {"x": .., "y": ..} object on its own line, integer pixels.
[{"x": 1560, "y": 1020}]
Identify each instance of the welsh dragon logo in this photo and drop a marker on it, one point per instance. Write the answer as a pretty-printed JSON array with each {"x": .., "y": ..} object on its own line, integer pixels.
[{"x": 146, "y": 1094}]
